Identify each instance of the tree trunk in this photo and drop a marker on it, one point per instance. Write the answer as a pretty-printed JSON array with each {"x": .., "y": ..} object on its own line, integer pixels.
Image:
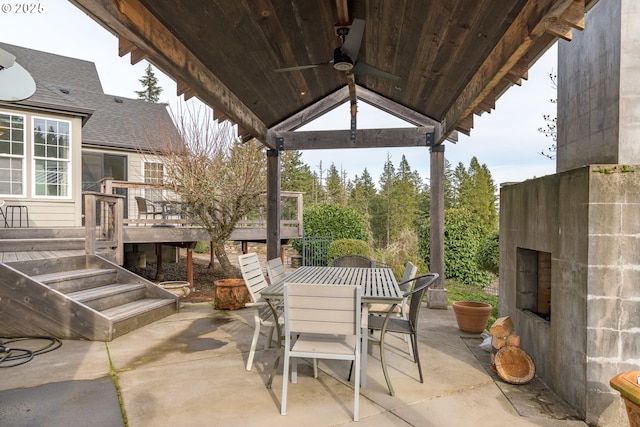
[{"x": 229, "y": 270}]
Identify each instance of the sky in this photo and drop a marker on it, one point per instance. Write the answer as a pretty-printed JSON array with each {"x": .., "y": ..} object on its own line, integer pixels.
[{"x": 507, "y": 140}]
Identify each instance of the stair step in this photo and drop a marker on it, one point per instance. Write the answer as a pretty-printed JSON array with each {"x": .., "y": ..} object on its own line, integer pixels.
[
  {"x": 44, "y": 244},
  {"x": 105, "y": 297},
  {"x": 77, "y": 280},
  {"x": 135, "y": 308},
  {"x": 129, "y": 317}
]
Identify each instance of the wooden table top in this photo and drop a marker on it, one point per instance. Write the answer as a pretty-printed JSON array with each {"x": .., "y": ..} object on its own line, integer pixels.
[{"x": 378, "y": 284}]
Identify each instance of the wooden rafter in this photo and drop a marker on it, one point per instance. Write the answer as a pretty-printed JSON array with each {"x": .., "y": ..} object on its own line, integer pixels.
[
  {"x": 132, "y": 21},
  {"x": 513, "y": 46},
  {"x": 184, "y": 89}
]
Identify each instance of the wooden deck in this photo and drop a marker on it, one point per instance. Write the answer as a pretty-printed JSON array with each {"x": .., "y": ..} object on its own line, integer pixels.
[{"x": 13, "y": 256}]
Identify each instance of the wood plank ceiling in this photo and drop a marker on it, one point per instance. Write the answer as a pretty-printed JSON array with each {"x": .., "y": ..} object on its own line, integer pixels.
[{"x": 454, "y": 57}]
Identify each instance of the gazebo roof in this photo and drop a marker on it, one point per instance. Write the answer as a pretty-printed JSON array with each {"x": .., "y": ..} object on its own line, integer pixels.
[{"x": 453, "y": 58}]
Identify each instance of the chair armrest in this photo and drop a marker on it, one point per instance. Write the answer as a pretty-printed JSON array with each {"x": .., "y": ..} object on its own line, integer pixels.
[{"x": 256, "y": 304}]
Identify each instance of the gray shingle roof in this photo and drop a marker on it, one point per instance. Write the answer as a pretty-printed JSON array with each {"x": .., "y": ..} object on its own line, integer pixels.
[{"x": 128, "y": 124}]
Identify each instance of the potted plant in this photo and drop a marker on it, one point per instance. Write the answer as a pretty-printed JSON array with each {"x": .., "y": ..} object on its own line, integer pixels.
[{"x": 472, "y": 316}]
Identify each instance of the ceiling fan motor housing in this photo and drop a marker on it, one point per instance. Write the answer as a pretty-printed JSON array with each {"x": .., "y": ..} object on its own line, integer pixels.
[{"x": 341, "y": 61}]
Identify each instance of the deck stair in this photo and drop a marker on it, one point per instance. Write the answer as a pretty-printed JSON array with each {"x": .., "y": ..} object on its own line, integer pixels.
[{"x": 77, "y": 297}]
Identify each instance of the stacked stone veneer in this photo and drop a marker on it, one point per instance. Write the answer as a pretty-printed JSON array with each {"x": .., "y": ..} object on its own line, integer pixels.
[{"x": 589, "y": 220}]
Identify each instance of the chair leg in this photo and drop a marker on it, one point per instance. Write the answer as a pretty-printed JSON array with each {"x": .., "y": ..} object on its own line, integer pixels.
[
  {"x": 356, "y": 389},
  {"x": 315, "y": 368},
  {"x": 267, "y": 345},
  {"x": 384, "y": 366},
  {"x": 285, "y": 383},
  {"x": 414, "y": 340},
  {"x": 294, "y": 370},
  {"x": 254, "y": 344},
  {"x": 275, "y": 366}
]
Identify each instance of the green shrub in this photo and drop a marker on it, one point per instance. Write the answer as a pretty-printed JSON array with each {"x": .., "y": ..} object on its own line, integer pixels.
[
  {"x": 202, "y": 247},
  {"x": 489, "y": 253},
  {"x": 342, "y": 247},
  {"x": 401, "y": 250},
  {"x": 331, "y": 220},
  {"x": 462, "y": 237}
]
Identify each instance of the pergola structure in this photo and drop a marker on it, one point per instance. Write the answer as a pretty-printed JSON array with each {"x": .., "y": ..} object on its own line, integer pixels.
[{"x": 449, "y": 59}]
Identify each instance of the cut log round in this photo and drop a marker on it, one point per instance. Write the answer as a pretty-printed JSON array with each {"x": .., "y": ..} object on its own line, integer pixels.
[{"x": 514, "y": 365}]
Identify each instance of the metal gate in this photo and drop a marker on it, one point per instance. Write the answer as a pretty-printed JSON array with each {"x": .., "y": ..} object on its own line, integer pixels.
[{"x": 315, "y": 249}]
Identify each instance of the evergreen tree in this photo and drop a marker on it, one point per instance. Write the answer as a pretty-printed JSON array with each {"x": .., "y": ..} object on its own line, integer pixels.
[
  {"x": 151, "y": 91},
  {"x": 383, "y": 208},
  {"x": 403, "y": 200},
  {"x": 295, "y": 174},
  {"x": 362, "y": 194},
  {"x": 477, "y": 194},
  {"x": 336, "y": 192},
  {"x": 449, "y": 186}
]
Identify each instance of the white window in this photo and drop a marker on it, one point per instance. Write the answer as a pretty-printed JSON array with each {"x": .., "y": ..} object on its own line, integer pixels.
[
  {"x": 154, "y": 174},
  {"x": 52, "y": 158},
  {"x": 12, "y": 155}
]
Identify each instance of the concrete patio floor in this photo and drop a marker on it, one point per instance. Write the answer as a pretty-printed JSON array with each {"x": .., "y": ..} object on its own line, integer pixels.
[{"x": 188, "y": 370}]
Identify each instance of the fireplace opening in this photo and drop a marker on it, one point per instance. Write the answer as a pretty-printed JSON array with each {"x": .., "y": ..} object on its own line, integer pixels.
[{"x": 533, "y": 282}]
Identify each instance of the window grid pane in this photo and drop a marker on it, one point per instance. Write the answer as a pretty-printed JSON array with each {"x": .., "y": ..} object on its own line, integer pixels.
[
  {"x": 51, "y": 157},
  {"x": 11, "y": 154}
]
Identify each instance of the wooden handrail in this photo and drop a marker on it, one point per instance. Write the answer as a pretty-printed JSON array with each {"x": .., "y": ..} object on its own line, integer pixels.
[{"x": 109, "y": 233}]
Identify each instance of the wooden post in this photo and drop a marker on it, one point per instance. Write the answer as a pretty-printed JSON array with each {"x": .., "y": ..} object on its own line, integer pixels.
[
  {"x": 190, "y": 263},
  {"x": 437, "y": 295},
  {"x": 90, "y": 224},
  {"x": 159, "y": 272},
  {"x": 273, "y": 204}
]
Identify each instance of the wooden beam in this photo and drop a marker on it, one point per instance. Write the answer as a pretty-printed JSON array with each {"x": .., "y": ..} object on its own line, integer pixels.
[
  {"x": 465, "y": 125},
  {"x": 488, "y": 103},
  {"x": 574, "y": 15},
  {"x": 125, "y": 47},
  {"x": 184, "y": 89},
  {"x": 531, "y": 23},
  {"x": 560, "y": 29},
  {"x": 342, "y": 13},
  {"x": 366, "y": 138},
  {"x": 313, "y": 111},
  {"x": 131, "y": 20}
]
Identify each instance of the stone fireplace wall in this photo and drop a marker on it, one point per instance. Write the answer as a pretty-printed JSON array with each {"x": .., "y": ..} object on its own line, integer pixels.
[{"x": 588, "y": 219}]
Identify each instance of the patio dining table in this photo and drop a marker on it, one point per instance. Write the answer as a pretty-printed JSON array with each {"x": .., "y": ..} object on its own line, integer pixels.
[{"x": 379, "y": 285}]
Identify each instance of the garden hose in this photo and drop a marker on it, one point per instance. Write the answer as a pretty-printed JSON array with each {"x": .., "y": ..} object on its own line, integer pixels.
[{"x": 10, "y": 357}]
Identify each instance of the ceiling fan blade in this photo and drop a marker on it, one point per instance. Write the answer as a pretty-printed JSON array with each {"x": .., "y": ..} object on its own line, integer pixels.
[
  {"x": 364, "y": 69},
  {"x": 296, "y": 68},
  {"x": 351, "y": 45}
]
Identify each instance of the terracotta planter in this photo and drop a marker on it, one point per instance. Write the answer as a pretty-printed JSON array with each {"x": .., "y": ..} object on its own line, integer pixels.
[
  {"x": 231, "y": 294},
  {"x": 472, "y": 316}
]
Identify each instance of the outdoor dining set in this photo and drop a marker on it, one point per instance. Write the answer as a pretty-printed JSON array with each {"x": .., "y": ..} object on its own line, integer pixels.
[{"x": 333, "y": 312}]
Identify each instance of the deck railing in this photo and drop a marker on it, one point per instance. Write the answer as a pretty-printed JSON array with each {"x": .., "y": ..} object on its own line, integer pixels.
[
  {"x": 108, "y": 234},
  {"x": 177, "y": 214}
]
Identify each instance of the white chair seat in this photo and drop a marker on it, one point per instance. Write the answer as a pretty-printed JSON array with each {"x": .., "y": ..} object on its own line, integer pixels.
[{"x": 333, "y": 344}]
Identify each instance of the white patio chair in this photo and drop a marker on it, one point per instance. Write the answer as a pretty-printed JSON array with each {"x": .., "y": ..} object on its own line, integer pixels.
[
  {"x": 275, "y": 270},
  {"x": 400, "y": 310},
  {"x": 326, "y": 321},
  {"x": 262, "y": 314}
]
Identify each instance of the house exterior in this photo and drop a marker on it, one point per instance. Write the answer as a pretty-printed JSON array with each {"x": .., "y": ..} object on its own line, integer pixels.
[{"x": 68, "y": 136}]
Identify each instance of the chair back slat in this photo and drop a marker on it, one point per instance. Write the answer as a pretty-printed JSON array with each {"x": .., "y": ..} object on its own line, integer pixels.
[
  {"x": 322, "y": 309},
  {"x": 275, "y": 270},
  {"x": 252, "y": 275},
  {"x": 352, "y": 261},
  {"x": 410, "y": 271}
]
